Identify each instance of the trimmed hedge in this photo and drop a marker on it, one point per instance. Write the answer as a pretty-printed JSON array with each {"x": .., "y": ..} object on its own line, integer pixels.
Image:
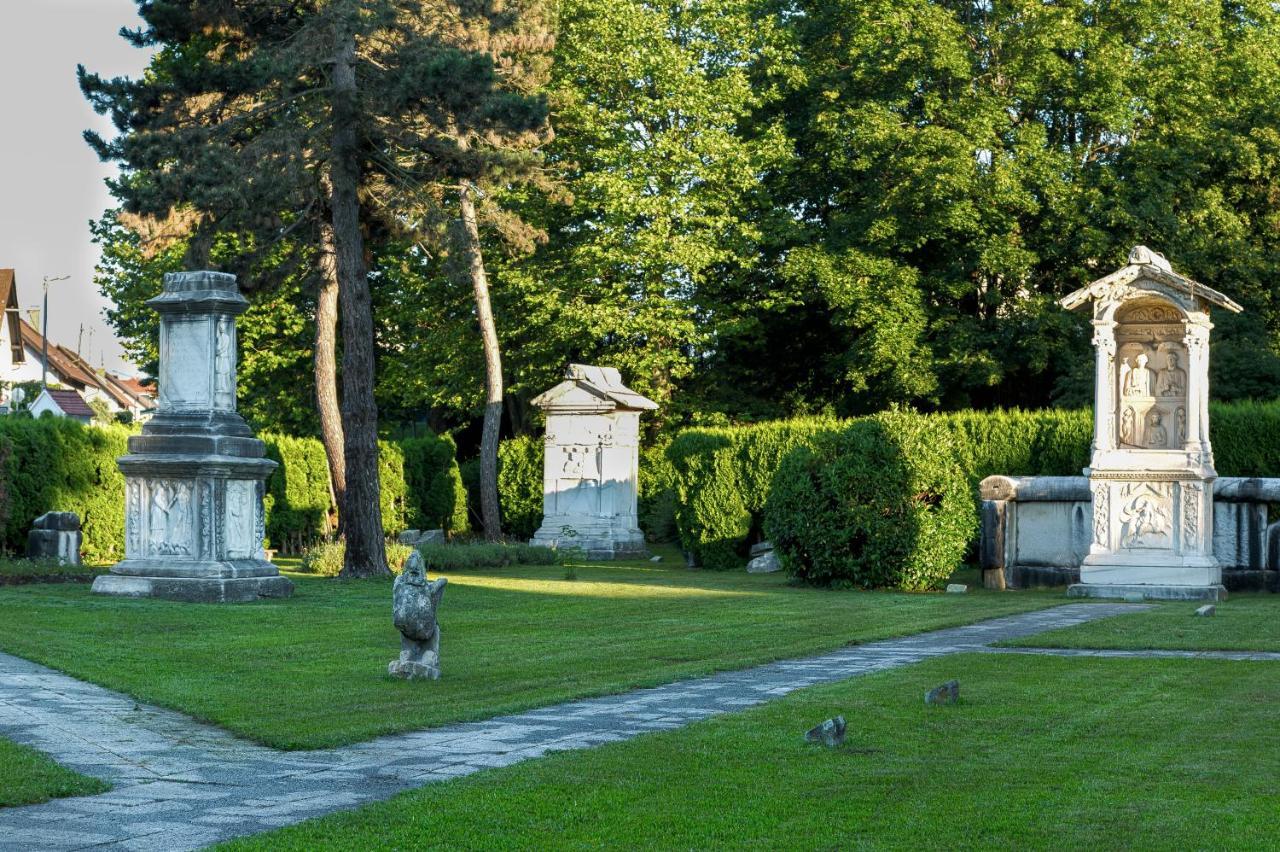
[
  {"x": 880, "y": 503},
  {"x": 520, "y": 485},
  {"x": 722, "y": 477},
  {"x": 437, "y": 498},
  {"x": 298, "y": 501},
  {"x": 58, "y": 464}
]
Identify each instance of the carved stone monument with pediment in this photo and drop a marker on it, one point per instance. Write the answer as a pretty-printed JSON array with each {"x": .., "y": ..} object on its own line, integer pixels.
[
  {"x": 591, "y": 464},
  {"x": 1151, "y": 474},
  {"x": 195, "y": 477}
]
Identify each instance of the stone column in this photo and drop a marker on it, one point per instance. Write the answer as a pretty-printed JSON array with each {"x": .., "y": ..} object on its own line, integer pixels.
[
  {"x": 196, "y": 476},
  {"x": 1104, "y": 422},
  {"x": 1197, "y": 343}
]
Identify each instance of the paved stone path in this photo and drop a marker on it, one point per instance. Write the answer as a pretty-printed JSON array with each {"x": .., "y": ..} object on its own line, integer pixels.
[
  {"x": 180, "y": 784},
  {"x": 1260, "y": 656}
]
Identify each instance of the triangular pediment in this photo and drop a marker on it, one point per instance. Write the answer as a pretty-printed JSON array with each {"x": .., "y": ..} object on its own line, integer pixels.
[
  {"x": 592, "y": 389},
  {"x": 1148, "y": 273}
]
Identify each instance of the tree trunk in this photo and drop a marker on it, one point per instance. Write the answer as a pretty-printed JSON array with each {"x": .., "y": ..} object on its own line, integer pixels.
[
  {"x": 326, "y": 369},
  {"x": 362, "y": 513},
  {"x": 490, "y": 513}
]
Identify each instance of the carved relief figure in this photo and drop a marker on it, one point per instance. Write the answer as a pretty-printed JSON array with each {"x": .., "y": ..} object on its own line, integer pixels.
[
  {"x": 1180, "y": 425},
  {"x": 1101, "y": 515},
  {"x": 224, "y": 365},
  {"x": 574, "y": 463},
  {"x": 1138, "y": 380},
  {"x": 1173, "y": 379},
  {"x": 1126, "y": 426},
  {"x": 168, "y": 524},
  {"x": 1125, "y": 369},
  {"x": 1157, "y": 435},
  {"x": 1145, "y": 518}
]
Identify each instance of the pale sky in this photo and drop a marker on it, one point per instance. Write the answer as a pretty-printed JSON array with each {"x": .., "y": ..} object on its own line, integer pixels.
[{"x": 50, "y": 181}]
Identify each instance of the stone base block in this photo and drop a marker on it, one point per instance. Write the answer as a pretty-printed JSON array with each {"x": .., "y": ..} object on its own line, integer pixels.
[
  {"x": 605, "y": 549},
  {"x": 194, "y": 589},
  {"x": 412, "y": 671},
  {"x": 1148, "y": 592}
]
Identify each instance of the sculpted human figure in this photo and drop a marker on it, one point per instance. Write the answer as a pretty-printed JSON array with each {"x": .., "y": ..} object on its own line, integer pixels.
[
  {"x": 1138, "y": 380},
  {"x": 1157, "y": 435},
  {"x": 1126, "y": 426},
  {"x": 1180, "y": 422},
  {"x": 1173, "y": 379}
]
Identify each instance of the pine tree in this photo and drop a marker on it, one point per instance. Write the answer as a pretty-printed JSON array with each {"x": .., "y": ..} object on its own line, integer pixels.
[{"x": 347, "y": 118}]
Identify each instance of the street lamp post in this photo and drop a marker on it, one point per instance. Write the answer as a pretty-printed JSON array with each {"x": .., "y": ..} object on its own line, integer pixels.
[{"x": 44, "y": 331}]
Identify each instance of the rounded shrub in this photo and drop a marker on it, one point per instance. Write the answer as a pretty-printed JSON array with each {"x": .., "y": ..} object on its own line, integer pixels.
[
  {"x": 882, "y": 503},
  {"x": 520, "y": 485}
]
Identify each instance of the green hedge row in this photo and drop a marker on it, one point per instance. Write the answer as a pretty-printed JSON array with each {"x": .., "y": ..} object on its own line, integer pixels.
[
  {"x": 55, "y": 463},
  {"x": 58, "y": 464},
  {"x": 723, "y": 476}
]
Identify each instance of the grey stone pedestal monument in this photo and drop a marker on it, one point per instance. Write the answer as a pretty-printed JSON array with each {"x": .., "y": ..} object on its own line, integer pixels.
[
  {"x": 194, "y": 478},
  {"x": 591, "y": 464}
]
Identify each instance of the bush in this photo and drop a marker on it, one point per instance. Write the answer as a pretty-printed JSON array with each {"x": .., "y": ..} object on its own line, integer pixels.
[
  {"x": 722, "y": 478},
  {"x": 465, "y": 556},
  {"x": 437, "y": 499},
  {"x": 881, "y": 503},
  {"x": 520, "y": 485},
  {"x": 657, "y": 492},
  {"x": 298, "y": 501},
  {"x": 55, "y": 463},
  {"x": 325, "y": 558}
]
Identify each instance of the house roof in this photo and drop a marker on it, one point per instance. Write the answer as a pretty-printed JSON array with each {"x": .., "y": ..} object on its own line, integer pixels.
[
  {"x": 590, "y": 388},
  {"x": 9, "y": 303},
  {"x": 1151, "y": 265},
  {"x": 62, "y": 362},
  {"x": 71, "y": 403}
]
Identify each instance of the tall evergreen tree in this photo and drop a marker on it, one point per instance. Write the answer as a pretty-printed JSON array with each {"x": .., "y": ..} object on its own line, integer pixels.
[{"x": 331, "y": 115}]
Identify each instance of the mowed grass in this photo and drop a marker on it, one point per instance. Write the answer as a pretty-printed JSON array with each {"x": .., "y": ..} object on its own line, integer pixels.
[
  {"x": 1244, "y": 622},
  {"x": 1040, "y": 753},
  {"x": 310, "y": 672},
  {"x": 28, "y": 777}
]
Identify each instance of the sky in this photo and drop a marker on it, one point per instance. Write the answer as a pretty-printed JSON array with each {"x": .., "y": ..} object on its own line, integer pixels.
[{"x": 51, "y": 183}]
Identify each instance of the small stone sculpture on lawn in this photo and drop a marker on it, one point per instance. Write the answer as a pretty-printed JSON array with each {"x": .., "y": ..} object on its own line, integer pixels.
[
  {"x": 830, "y": 733},
  {"x": 948, "y": 693},
  {"x": 414, "y": 606}
]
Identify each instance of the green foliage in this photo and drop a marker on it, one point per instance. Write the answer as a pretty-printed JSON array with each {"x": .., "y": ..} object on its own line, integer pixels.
[
  {"x": 57, "y": 464},
  {"x": 325, "y": 557},
  {"x": 656, "y": 492},
  {"x": 463, "y": 556},
  {"x": 395, "y": 488},
  {"x": 298, "y": 501},
  {"x": 722, "y": 480},
  {"x": 436, "y": 495},
  {"x": 520, "y": 485},
  {"x": 881, "y": 503}
]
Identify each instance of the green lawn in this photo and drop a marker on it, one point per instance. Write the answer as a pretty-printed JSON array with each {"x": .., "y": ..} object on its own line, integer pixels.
[
  {"x": 1245, "y": 622},
  {"x": 311, "y": 671},
  {"x": 1045, "y": 753},
  {"x": 27, "y": 777}
]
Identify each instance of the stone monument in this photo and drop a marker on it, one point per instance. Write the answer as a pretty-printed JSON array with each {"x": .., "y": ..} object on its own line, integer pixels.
[
  {"x": 194, "y": 478},
  {"x": 1151, "y": 474},
  {"x": 55, "y": 535},
  {"x": 591, "y": 464},
  {"x": 415, "y": 604}
]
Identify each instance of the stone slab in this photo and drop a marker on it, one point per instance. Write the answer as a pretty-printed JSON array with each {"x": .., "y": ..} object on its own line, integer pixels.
[
  {"x": 1148, "y": 592},
  {"x": 194, "y": 590}
]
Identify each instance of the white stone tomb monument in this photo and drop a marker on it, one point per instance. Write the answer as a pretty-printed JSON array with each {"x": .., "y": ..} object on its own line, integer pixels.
[
  {"x": 194, "y": 478},
  {"x": 591, "y": 464},
  {"x": 1151, "y": 474}
]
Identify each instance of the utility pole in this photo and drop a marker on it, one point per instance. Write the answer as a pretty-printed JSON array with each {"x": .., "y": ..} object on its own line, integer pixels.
[
  {"x": 80, "y": 339},
  {"x": 44, "y": 332}
]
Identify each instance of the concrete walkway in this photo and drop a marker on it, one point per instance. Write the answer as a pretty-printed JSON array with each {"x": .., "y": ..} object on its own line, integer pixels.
[{"x": 180, "y": 784}]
